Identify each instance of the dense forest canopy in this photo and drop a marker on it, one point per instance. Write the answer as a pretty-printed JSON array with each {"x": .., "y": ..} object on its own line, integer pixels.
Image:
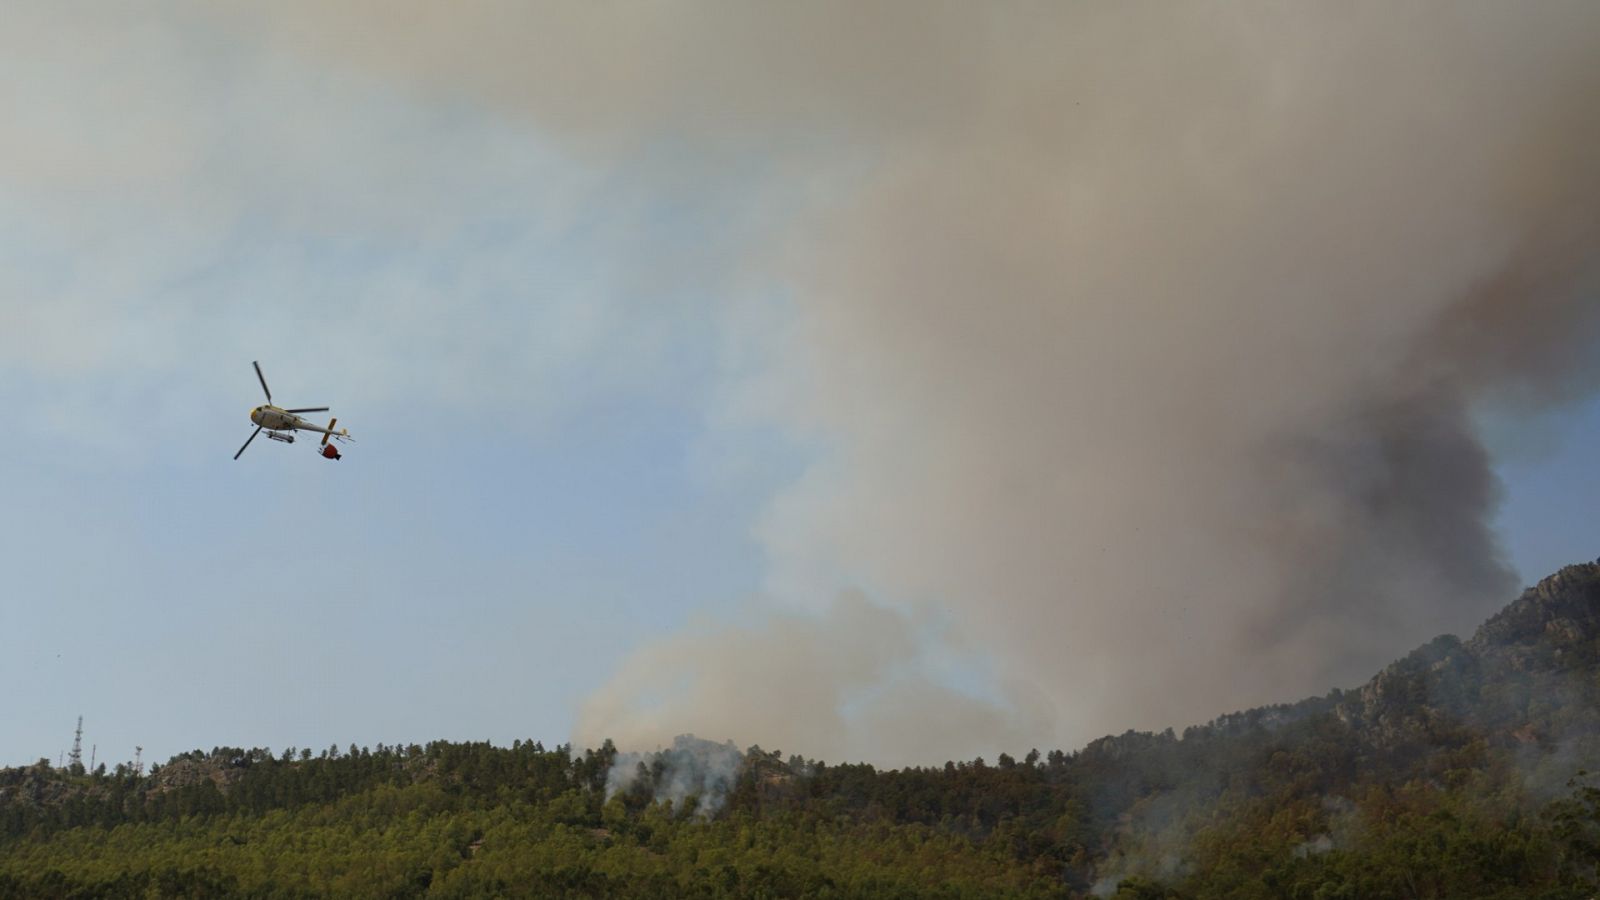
[{"x": 1458, "y": 771}]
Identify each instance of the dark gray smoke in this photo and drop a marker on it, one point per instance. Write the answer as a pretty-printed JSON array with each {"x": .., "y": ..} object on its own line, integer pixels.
[{"x": 1150, "y": 344}]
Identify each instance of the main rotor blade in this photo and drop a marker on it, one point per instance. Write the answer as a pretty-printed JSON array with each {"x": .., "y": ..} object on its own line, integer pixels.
[
  {"x": 248, "y": 440},
  {"x": 309, "y": 409},
  {"x": 263, "y": 381}
]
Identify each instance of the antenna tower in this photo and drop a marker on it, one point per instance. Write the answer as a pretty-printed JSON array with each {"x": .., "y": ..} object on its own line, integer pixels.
[
  {"x": 138, "y": 767},
  {"x": 75, "y": 759}
]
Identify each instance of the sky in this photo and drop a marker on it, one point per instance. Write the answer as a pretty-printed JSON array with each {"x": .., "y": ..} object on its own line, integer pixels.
[{"x": 888, "y": 382}]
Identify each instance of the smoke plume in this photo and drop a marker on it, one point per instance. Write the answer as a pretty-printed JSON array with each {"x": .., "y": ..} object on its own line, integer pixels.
[
  {"x": 690, "y": 768},
  {"x": 1147, "y": 345}
]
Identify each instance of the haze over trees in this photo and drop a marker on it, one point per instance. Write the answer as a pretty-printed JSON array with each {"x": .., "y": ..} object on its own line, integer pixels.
[{"x": 1457, "y": 771}]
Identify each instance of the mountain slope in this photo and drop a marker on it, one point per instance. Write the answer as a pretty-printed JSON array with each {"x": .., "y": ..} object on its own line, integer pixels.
[{"x": 1445, "y": 775}]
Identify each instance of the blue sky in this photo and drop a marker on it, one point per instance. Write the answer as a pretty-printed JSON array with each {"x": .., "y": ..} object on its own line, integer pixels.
[
  {"x": 1551, "y": 484},
  {"x": 602, "y": 421},
  {"x": 533, "y": 488}
]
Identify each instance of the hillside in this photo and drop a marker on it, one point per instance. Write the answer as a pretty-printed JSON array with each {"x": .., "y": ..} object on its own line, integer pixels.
[{"x": 1448, "y": 774}]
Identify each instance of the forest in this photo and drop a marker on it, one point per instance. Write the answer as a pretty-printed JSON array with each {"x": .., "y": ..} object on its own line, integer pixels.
[{"x": 1458, "y": 771}]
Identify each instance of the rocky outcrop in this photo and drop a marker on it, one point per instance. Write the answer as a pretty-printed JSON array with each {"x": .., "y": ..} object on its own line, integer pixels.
[
  {"x": 35, "y": 785},
  {"x": 1560, "y": 613},
  {"x": 1528, "y": 671}
]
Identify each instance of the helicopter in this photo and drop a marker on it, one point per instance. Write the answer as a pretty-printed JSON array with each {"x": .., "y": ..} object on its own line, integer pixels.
[{"x": 280, "y": 424}]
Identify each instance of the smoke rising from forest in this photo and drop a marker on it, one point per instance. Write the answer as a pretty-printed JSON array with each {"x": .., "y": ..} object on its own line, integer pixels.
[
  {"x": 691, "y": 769},
  {"x": 1148, "y": 344}
]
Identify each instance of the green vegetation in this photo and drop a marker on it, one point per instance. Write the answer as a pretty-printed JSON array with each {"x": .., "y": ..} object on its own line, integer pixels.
[
  {"x": 1450, "y": 775},
  {"x": 472, "y": 820}
]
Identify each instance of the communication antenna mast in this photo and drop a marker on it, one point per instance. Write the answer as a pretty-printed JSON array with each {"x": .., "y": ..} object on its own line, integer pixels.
[
  {"x": 75, "y": 759},
  {"x": 92, "y": 749},
  {"x": 138, "y": 767}
]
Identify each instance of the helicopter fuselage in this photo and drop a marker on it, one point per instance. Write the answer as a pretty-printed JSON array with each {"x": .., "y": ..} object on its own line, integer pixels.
[{"x": 273, "y": 418}]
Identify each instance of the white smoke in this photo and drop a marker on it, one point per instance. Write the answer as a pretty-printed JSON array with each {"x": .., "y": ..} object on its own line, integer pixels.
[{"x": 691, "y": 768}]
